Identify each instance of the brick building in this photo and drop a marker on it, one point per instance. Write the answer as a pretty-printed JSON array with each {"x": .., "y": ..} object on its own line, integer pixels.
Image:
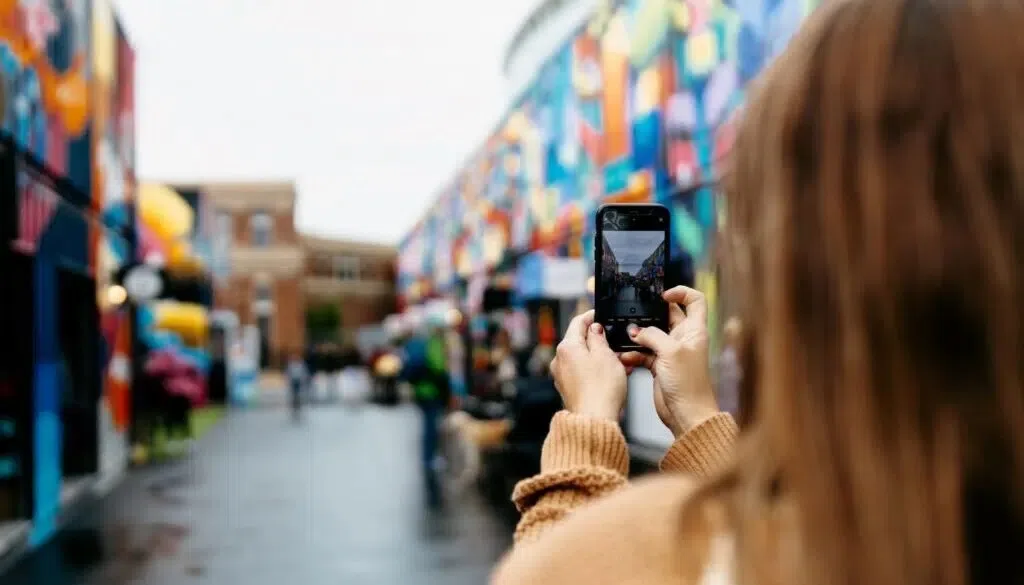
[
  {"x": 267, "y": 260},
  {"x": 276, "y": 275},
  {"x": 356, "y": 277}
]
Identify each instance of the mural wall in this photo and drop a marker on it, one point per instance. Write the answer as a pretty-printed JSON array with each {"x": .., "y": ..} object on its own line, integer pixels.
[
  {"x": 67, "y": 72},
  {"x": 46, "y": 70},
  {"x": 638, "y": 106},
  {"x": 113, "y": 183},
  {"x": 44, "y": 59}
]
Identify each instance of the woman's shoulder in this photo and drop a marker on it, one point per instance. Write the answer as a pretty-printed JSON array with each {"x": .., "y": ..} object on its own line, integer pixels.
[{"x": 651, "y": 532}]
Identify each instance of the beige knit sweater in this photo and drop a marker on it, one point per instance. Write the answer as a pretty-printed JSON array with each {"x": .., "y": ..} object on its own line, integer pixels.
[{"x": 580, "y": 526}]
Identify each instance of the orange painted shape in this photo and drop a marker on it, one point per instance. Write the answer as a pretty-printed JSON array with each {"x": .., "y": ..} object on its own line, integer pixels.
[
  {"x": 615, "y": 75},
  {"x": 118, "y": 389}
]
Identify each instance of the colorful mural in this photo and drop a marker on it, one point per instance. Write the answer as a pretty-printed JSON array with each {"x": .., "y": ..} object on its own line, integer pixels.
[
  {"x": 639, "y": 105},
  {"x": 46, "y": 74},
  {"x": 44, "y": 59},
  {"x": 113, "y": 181},
  {"x": 68, "y": 77}
]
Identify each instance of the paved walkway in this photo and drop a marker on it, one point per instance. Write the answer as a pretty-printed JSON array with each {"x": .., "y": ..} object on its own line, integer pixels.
[
  {"x": 629, "y": 303},
  {"x": 335, "y": 499}
]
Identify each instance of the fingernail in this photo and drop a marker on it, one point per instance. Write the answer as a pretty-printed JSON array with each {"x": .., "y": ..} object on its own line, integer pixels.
[
  {"x": 634, "y": 330},
  {"x": 596, "y": 328}
]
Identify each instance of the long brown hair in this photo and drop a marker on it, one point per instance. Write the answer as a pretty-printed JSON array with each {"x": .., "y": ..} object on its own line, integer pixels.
[{"x": 876, "y": 237}]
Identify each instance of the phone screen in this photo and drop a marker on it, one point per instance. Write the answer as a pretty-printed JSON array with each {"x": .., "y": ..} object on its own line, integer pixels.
[{"x": 631, "y": 256}]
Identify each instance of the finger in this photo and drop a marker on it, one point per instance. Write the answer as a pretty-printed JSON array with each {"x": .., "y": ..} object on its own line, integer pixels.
[
  {"x": 651, "y": 338},
  {"x": 553, "y": 368},
  {"x": 596, "y": 339},
  {"x": 691, "y": 299},
  {"x": 676, "y": 316},
  {"x": 577, "y": 330},
  {"x": 635, "y": 359}
]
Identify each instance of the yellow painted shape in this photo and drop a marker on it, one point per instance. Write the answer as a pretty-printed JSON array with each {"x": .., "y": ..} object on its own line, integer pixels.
[
  {"x": 702, "y": 52},
  {"x": 164, "y": 211}
]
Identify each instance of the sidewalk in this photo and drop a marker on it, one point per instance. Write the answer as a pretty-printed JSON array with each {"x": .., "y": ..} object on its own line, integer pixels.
[
  {"x": 336, "y": 498},
  {"x": 272, "y": 381}
]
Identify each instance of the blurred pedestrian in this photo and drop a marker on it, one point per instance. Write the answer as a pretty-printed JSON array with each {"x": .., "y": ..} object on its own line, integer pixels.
[
  {"x": 875, "y": 242},
  {"x": 298, "y": 380},
  {"x": 425, "y": 367},
  {"x": 504, "y": 369}
]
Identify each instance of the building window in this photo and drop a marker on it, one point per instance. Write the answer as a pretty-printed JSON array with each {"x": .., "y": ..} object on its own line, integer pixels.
[
  {"x": 261, "y": 224},
  {"x": 346, "y": 268},
  {"x": 262, "y": 299},
  {"x": 264, "y": 327},
  {"x": 224, "y": 229},
  {"x": 263, "y": 293}
]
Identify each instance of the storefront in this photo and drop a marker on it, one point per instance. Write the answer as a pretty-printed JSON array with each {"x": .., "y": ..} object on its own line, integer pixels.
[
  {"x": 66, "y": 227},
  {"x": 55, "y": 352}
]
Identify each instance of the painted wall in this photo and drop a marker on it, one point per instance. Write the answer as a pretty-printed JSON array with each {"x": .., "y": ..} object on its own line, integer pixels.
[
  {"x": 46, "y": 70},
  {"x": 56, "y": 233},
  {"x": 113, "y": 181},
  {"x": 642, "y": 100},
  {"x": 68, "y": 101},
  {"x": 44, "y": 58}
]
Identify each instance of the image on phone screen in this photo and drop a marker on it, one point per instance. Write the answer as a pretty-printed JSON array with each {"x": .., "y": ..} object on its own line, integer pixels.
[{"x": 631, "y": 270}]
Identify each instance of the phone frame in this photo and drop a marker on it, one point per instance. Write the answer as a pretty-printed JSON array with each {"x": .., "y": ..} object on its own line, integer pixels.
[{"x": 651, "y": 212}]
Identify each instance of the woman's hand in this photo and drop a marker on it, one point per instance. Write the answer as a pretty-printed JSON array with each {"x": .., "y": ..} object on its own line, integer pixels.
[
  {"x": 683, "y": 395},
  {"x": 587, "y": 373}
]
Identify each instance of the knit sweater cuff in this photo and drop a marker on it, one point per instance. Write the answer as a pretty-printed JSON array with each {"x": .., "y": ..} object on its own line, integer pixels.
[
  {"x": 577, "y": 440},
  {"x": 704, "y": 449}
]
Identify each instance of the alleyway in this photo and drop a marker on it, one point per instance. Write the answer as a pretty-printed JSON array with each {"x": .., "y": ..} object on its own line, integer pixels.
[
  {"x": 628, "y": 303},
  {"x": 264, "y": 501}
]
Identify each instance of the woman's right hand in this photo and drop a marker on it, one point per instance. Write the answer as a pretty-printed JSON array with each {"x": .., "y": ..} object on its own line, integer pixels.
[{"x": 683, "y": 395}]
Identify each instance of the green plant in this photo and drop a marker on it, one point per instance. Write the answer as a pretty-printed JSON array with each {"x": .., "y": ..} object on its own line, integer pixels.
[{"x": 323, "y": 322}]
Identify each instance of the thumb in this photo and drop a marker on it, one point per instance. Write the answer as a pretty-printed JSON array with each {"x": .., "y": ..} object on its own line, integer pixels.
[
  {"x": 596, "y": 339},
  {"x": 651, "y": 338}
]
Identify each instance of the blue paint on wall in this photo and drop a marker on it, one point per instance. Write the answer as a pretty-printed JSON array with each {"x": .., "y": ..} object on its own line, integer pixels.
[{"x": 46, "y": 404}]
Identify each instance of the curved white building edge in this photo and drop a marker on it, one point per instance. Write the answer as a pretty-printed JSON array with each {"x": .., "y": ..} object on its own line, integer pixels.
[{"x": 544, "y": 32}]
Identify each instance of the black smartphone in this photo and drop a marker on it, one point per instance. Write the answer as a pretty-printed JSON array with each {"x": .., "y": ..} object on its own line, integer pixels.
[{"x": 631, "y": 252}]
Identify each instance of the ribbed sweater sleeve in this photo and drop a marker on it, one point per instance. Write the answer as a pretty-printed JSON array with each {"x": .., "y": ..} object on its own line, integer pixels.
[
  {"x": 585, "y": 458},
  {"x": 703, "y": 450}
]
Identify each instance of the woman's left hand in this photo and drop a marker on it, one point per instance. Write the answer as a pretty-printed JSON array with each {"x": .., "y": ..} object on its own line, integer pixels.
[{"x": 588, "y": 374}]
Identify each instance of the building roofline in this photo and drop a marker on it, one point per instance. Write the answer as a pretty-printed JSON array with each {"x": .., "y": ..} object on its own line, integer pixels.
[
  {"x": 263, "y": 184},
  {"x": 535, "y": 18},
  {"x": 328, "y": 244}
]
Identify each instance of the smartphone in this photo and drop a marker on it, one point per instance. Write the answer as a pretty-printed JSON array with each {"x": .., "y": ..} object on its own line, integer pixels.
[{"x": 631, "y": 252}]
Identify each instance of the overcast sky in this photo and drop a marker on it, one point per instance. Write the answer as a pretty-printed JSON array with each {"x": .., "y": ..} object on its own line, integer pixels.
[
  {"x": 631, "y": 248},
  {"x": 369, "y": 105}
]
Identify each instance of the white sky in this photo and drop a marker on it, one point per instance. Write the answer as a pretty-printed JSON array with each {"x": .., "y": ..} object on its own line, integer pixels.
[
  {"x": 631, "y": 248},
  {"x": 371, "y": 106}
]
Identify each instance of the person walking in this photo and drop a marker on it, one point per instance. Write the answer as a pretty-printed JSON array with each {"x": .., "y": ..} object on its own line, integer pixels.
[
  {"x": 298, "y": 380},
  {"x": 874, "y": 244},
  {"x": 426, "y": 370}
]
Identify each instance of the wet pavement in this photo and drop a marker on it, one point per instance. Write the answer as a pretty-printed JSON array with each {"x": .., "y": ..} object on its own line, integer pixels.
[
  {"x": 336, "y": 498},
  {"x": 628, "y": 303}
]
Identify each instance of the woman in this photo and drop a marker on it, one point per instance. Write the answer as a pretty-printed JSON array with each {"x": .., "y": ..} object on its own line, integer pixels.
[{"x": 876, "y": 233}]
